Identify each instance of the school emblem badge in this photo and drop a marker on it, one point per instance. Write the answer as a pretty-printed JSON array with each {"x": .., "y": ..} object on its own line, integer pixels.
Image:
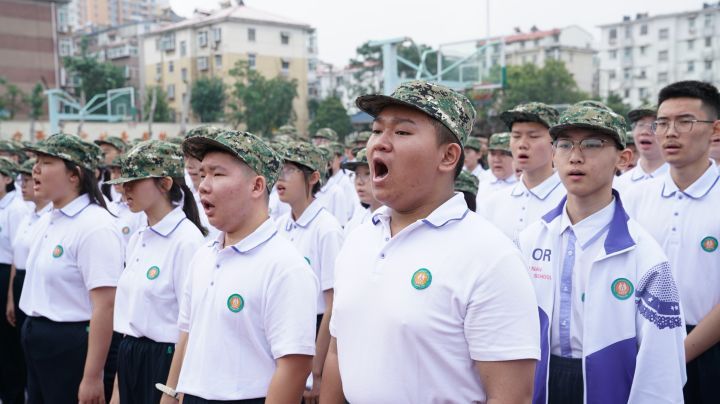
[
  {"x": 622, "y": 288},
  {"x": 235, "y": 303},
  {"x": 709, "y": 244},
  {"x": 57, "y": 251},
  {"x": 126, "y": 230},
  {"x": 421, "y": 279},
  {"x": 153, "y": 272}
]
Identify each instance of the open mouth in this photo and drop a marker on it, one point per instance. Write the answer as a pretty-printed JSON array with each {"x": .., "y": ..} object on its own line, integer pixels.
[
  {"x": 522, "y": 156},
  {"x": 206, "y": 205},
  {"x": 645, "y": 142},
  {"x": 380, "y": 169}
]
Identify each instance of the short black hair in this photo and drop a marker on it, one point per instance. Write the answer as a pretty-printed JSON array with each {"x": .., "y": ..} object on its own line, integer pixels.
[
  {"x": 470, "y": 200},
  {"x": 705, "y": 92},
  {"x": 445, "y": 136}
]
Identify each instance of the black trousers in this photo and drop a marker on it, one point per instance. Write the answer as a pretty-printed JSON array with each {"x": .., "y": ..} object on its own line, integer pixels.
[
  {"x": 142, "y": 362},
  {"x": 566, "y": 381},
  {"x": 188, "y": 399},
  {"x": 703, "y": 377},
  {"x": 12, "y": 367},
  {"x": 20, "y": 315}
]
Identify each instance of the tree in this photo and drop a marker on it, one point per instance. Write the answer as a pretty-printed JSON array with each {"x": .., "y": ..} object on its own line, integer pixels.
[
  {"x": 332, "y": 114},
  {"x": 95, "y": 77},
  {"x": 551, "y": 84},
  {"x": 208, "y": 98},
  {"x": 162, "y": 110},
  {"x": 262, "y": 104},
  {"x": 14, "y": 98},
  {"x": 616, "y": 103},
  {"x": 35, "y": 100}
]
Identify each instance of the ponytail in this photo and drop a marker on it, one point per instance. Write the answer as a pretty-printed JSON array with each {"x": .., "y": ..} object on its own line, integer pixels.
[
  {"x": 88, "y": 184},
  {"x": 180, "y": 192}
]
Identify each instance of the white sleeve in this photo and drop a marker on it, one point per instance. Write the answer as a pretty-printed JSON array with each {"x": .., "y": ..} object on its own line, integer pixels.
[
  {"x": 100, "y": 257},
  {"x": 186, "y": 300},
  {"x": 330, "y": 243},
  {"x": 183, "y": 257}
]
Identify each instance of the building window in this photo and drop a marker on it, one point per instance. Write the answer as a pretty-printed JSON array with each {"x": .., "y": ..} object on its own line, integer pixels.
[
  {"x": 183, "y": 48},
  {"x": 284, "y": 38},
  {"x": 251, "y": 60},
  {"x": 158, "y": 69},
  {"x": 627, "y": 52},
  {"x": 183, "y": 74},
  {"x": 663, "y": 56},
  {"x": 202, "y": 63},
  {"x": 628, "y": 31},
  {"x": 202, "y": 39},
  {"x": 285, "y": 66},
  {"x": 642, "y": 92},
  {"x": 643, "y": 49},
  {"x": 643, "y": 29},
  {"x": 171, "y": 67},
  {"x": 643, "y": 74},
  {"x": 218, "y": 62},
  {"x": 691, "y": 23},
  {"x": 691, "y": 44},
  {"x": 627, "y": 93},
  {"x": 217, "y": 34},
  {"x": 708, "y": 20},
  {"x": 612, "y": 75},
  {"x": 662, "y": 77},
  {"x": 251, "y": 34},
  {"x": 708, "y": 42},
  {"x": 127, "y": 72},
  {"x": 65, "y": 47},
  {"x": 536, "y": 42},
  {"x": 708, "y": 65},
  {"x": 664, "y": 33},
  {"x": 690, "y": 66},
  {"x": 613, "y": 54},
  {"x": 627, "y": 73},
  {"x": 171, "y": 91},
  {"x": 613, "y": 34}
]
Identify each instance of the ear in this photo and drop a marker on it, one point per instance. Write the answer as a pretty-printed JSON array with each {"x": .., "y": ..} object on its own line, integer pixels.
[
  {"x": 7, "y": 180},
  {"x": 450, "y": 157},
  {"x": 314, "y": 178},
  {"x": 166, "y": 184},
  {"x": 258, "y": 186},
  {"x": 716, "y": 127},
  {"x": 624, "y": 158}
]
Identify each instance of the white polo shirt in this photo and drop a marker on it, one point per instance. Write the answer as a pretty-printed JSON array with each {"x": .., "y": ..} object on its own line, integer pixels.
[
  {"x": 317, "y": 235},
  {"x": 12, "y": 210},
  {"x": 80, "y": 249},
  {"x": 245, "y": 306},
  {"x": 147, "y": 300},
  {"x": 26, "y": 235},
  {"x": 687, "y": 226},
  {"x": 413, "y": 311},
  {"x": 362, "y": 215},
  {"x": 127, "y": 221},
  {"x": 489, "y": 184},
  {"x": 515, "y": 208},
  {"x": 637, "y": 175},
  {"x": 339, "y": 197}
]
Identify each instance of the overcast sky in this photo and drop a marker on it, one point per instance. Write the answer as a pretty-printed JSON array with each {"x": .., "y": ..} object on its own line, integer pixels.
[{"x": 343, "y": 25}]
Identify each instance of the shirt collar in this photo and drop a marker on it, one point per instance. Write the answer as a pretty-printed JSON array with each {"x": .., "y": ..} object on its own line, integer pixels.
[
  {"x": 7, "y": 199},
  {"x": 540, "y": 191},
  {"x": 169, "y": 223},
  {"x": 509, "y": 180},
  {"x": 638, "y": 173},
  {"x": 453, "y": 209},
  {"x": 258, "y": 237},
  {"x": 588, "y": 230},
  {"x": 76, "y": 206},
  {"x": 47, "y": 208},
  {"x": 307, "y": 216},
  {"x": 698, "y": 189}
]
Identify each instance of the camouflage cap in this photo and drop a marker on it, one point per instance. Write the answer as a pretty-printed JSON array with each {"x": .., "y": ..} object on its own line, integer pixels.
[
  {"x": 113, "y": 141},
  {"x": 287, "y": 130},
  {"x": 335, "y": 148},
  {"x": 592, "y": 103},
  {"x": 8, "y": 146},
  {"x": 117, "y": 162},
  {"x": 363, "y": 137},
  {"x": 306, "y": 155},
  {"x": 203, "y": 130},
  {"x": 27, "y": 167},
  {"x": 629, "y": 139},
  {"x": 8, "y": 167},
  {"x": 642, "y": 111},
  {"x": 597, "y": 119},
  {"x": 70, "y": 148},
  {"x": 466, "y": 182},
  {"x": 530, "y": 112},
  {"x": 151, "y": 159},
  {"x": 248, "y": 148},
  {"x": 326, "y": 133},
  {"x": 449, "y": 107},
  {"x": 175, "y": 140},
  {"x": 500, "y": 141},
  {"x": 473, "y": 143},
  {"x": 360, "y": 160}
]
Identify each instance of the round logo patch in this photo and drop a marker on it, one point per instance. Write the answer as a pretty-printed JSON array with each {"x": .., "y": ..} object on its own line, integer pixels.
[
  {"x": 421, "y": 279},
  {"x": 57, "y": 251},
  {"x": 622, "y": 288},
  {"x": 153, "y": 272},
  {"x": 235, "y": 303},
  {"x": 126, "y": 230},
  {"x": 709, "y": 244}
]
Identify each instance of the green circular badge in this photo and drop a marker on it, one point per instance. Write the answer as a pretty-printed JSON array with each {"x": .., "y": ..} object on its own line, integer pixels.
[
  {"x": 153, "y": 272},
  {"x": 709, "y": 244},
  {"x": 622, "y": 288},
  {"x": 57, "y": 251},
  {"x": 421, "y": 279},
  {"x": 235, "y": 303},
  {"x": 126, "y": 230}
]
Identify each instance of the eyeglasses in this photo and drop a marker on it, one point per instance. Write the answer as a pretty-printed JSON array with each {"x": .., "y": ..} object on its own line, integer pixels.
[
  {"x": 661, "y": 127},
  {"x": 587, "y": 146},
  {"x": 288, "y": 171},
  {"x": 642, "y": 125}
]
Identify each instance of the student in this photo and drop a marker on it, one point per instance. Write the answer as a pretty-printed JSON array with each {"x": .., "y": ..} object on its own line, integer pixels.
[
  {"x": 680, "y": 210},
  {"x": 193, "y": 178},
  {"x": 539, "y": 188},
  {"x": 634, "y": 156},
  {"x": 468, "y": 185},
  {"x": 650, "y": 163},
  {"x": 112, "y": 147},
  {"x": 148, "y": 294},
  {"x": 324, "y": 136},
  {"x": 363, "y": 187},
  {"x": 416, "y": 318},
  {"x": 72, "y": 271},
  {"x": 315, "y": 233},
  {"x": 338, "y": 193},
  {"x": 128, "y": 221},
  {"x": 247, "y": 317},
  {"x": 473, "y": 156},
  {"x": 501, "y": 173},
  {"x": 589, "y": 263},
  {"x": 12, "y": 210}
]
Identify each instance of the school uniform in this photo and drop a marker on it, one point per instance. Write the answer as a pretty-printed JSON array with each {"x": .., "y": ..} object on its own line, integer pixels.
[
  {"x": 489, "y": 184},
  {"x": 12, "y": 378},
  {"x": 515, "y": 208},
  {"x": 339, "y": 197},
  {"x": 687, "y": 226},
  {"x": 147, "y": 303},
  {"x": 414, "y": 311},
  {"x": 610, "y": 318},
  {"x": 127, "y": 221},
  {"x": 637, "y": 175},
  {"x": 80, "y": 249},
  {"x": 244, "y": 306},
  {"x": 359, "y": 217}
]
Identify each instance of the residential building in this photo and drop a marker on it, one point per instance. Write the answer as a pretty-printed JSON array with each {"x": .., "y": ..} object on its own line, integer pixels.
[
  {"x": 346, "y": 83},
  {"x": 104, "y": 13},
  {"x": 638, "y": 56}
]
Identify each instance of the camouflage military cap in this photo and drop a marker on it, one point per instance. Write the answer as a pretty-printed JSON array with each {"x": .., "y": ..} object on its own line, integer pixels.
[
  {"x": 305, "y": 154},
  {"x": 335, "y": 148},
  {"x": 8, "y": 167},
  {"x": 248, "y": 148},
  {"x": 592, "y": 103},
  {"x": 113, "y": 141},
  {"x": 642, "y": 111},
  {"x": 70, "y": 148},
  {"x": 360, "y": 160},
  {"x": 629, "y": 139},
  {"x": 203, "y": 130},
  {"x": 177, "y": 140},
  {"x": 117, "y": 162},
  {"x": 531, "y": 112},
  {"x": 449, "y": 107},
  {"x": 287, "y": 130},
  {"x": 326, "y": 133},
  {"x": 500, "y": 141},
  {"x": 151, "y": 159},
  {"x": 8, "y": 146},
  {"x": 362, "y": 137},
  {"x": 466, "y": 182},
  {"x": 473, "y": 143},
  {"x": 596, "y": 119},
  {"x": 27, "y": 167}
]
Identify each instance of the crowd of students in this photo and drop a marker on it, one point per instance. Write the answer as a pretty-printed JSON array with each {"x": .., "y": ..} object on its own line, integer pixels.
[{"x": 417, "y": 263}]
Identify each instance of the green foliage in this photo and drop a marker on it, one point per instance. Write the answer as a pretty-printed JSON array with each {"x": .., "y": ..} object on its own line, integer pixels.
[
  {"x": 95, "y": 77},
  {"x": 35, "y": 100},
  {"x": 208, "y": 99},
  {"x": 14, "y": 98},
  {"x": 162, "y": 109},
  {"x": 551, "y": 84},
  {"x": 262, "y": 104},
  {"x": 616, "y": 103},
  {"x": 332, "y": 114}
]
